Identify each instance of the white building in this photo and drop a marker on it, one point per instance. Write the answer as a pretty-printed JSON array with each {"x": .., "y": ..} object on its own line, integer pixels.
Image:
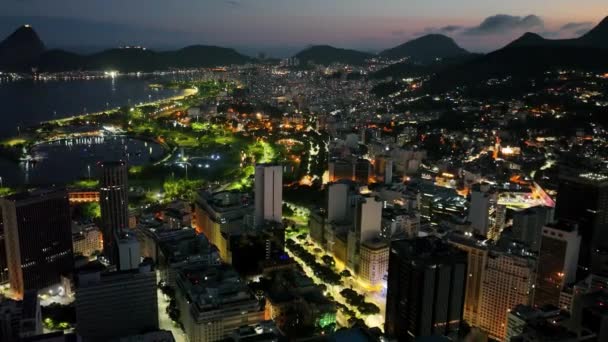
[
  {"x": 213, "y": 302},
  {"x": 483, "y": 208},
  {"x": 129, "y": 256},
  {"x": 268, "y": 193},
  {"x": 374, "y": 261},
  {"x": 367, "y": 226}
]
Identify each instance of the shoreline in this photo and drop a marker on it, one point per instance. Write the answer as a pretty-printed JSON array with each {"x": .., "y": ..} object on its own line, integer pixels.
[{"x": 185, "y": 93}]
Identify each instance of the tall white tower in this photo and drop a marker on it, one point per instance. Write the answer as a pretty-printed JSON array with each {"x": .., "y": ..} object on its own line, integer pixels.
[{"x": 268, "y": 193}]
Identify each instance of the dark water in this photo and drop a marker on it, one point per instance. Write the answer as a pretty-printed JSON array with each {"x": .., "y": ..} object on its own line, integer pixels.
[
  {"x": 23, "y": 103},
  {"x": 62, "y": 162}
]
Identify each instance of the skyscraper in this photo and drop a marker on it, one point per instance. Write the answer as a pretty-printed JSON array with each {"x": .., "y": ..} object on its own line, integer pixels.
[
  {"x": 426, "y": 288},
  {"x": 477, "y": 251},
  {"x": 483, "y": 207},
  {"x": 38, "y": 236},
  {"x": 367, "y": 226},
  {"x": 116, "y": 304},
  {"x": 508, "y": 281},
  {"x": 114, "y": 204},
  {"x": 557, "y": 261},
  {"x": 583, "y": 198},
  {"x": 268, "y": 193},
  {"x": 528, "y": 225}
]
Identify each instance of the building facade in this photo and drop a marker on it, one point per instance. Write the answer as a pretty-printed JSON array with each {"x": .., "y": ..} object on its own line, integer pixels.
[
  {"x": 38, "y": 237},
  {"x": 114, "y": 204},
  {"x": 426, "y": 289}
]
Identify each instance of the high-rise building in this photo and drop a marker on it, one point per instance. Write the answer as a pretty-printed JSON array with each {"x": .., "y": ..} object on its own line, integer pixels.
[
  {"x": 426, "y": 289},
  {"x": 268, "y": 193},
  {"x": 213, "y": 301},
  {"x": 363, "y": 171},
  {"x": 38, "y": 237},
  {"x": 477, "y": 252},
  {"x": 116, "y": 304},
  {"x": 340, "y": 169},
  {"x": 374, "y": 261},
  {"x": 557, "y": 261},
  {"x": 128, "y": 252},
  {"x": 114, "y": 202},
  {"x": 483, "y": 208},
  {"x": 367, "y": 226},
  {"x": 584, "y": 199},
  {"x": 383, "y": 169},
  {"x": 508, "y": 281},
  {"x": 528, "y": 225},
  {"x": 340, "y": 199}
]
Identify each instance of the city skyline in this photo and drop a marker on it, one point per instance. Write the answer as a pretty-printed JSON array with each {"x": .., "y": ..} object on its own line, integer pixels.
[{"x": 282, "y": 27}]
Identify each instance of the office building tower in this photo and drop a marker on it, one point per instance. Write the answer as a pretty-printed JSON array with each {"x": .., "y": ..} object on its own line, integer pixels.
[
  {"x": 367, "y": 226},
  {"x": 374, "y": 261},
  {"x": 477, "y": 258},
  {"x": 20, "y": 319},
  {"x": 341, "y": 170},
  {"x": 129, "y": 256},
  {"x": 508, "y": 281},
  {"x": 114, "y": 202},
  {"x": 116, "y": 304},
  {"x": 583, "y": 199},
  {"x": 341, "y": 198},
  {"x": 528, "y": 225},
  {"x": 383, "y": 169},
  {"x": 483, "y": 208},
  {"x": 426, "y": 289},
  {"x": 38, "y": 238},
  {"x": 213, "y": 301},
  {"x": 363, "y": 171},
  {"x": 268, "y": 193},
  {"x": 557, "y": 261}
]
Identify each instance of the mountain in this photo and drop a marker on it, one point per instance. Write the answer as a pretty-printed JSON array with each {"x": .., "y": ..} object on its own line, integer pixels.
[
  {"x": 530, "y": 56},
  {"x": 426, "y": 49},
  {"x": 596, "y": 38},
  {"x": 325, "y": 55},
  {"x": 409, "y": 69},
  {"x": 21, "y": 49},
  {"x": 137, "y": 59}
]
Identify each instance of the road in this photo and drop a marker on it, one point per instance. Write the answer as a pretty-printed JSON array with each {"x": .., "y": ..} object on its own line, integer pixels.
[{"x": 374, "y": 296}]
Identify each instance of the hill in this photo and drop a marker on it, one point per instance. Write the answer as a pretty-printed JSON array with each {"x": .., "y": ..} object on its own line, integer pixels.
[
  {"x": 326, "y": 55},
  {"x": 426, "y": 49},
  {"x": 21, "y": 49},
  {"x": 409, "y": 69},
  {"x": 530, "y": 56}
]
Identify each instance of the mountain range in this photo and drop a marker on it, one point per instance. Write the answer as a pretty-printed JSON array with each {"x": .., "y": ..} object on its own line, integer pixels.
[
  {"x": 531, "y": 55},
  {"x": 23, "y": 50},
  {"x": 432, "y": 54}
]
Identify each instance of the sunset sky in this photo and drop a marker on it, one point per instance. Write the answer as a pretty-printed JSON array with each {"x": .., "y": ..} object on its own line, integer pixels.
[{"x": 478, "y": 25}]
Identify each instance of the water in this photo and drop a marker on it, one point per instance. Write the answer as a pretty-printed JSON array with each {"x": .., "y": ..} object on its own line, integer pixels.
[
  {"x": 64, "y": 161},
  {"x": 27, "y": 102}
]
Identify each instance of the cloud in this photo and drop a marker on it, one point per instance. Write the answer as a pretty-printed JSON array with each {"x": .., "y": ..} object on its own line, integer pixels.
[
  {"x": 450, "y": 29},
  {"x": 504, "y": 24},
  {"x": 234, "y": 3},
  {"x": 576, "y": 29}
]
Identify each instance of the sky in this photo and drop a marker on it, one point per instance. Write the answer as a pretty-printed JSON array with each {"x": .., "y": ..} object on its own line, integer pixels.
[{"x": 279, "y": 26}]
